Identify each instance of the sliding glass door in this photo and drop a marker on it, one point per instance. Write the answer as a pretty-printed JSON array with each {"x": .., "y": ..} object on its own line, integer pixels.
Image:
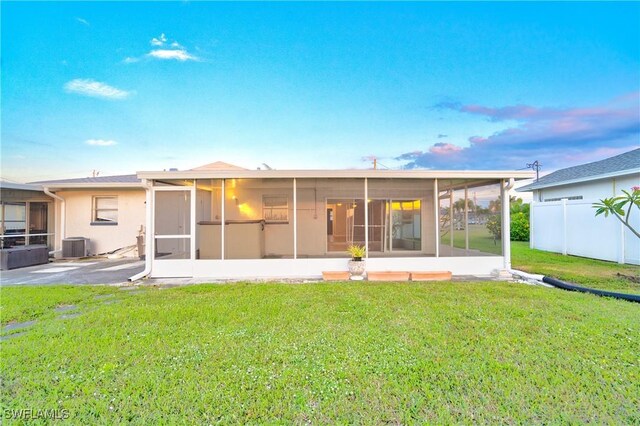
[{"x": 393, "y": 225}]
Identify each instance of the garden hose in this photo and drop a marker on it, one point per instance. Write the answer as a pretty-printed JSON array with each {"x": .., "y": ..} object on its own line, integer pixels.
[{"x": 571, "y": 287}]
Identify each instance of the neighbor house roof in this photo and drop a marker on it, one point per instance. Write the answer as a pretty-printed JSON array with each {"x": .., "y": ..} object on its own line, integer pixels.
[
  {"x": 119, "y": 181},
  {"x": 21, "y": 186},
  {"x": 623, "y": 164}
]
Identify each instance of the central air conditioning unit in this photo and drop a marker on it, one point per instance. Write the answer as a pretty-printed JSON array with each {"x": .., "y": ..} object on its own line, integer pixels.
[{"x": 75, "y": 247}]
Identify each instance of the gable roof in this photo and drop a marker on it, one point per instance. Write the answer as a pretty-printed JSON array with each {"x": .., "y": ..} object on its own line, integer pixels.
[
  {"x": 623, "y": 164},
  {"x": 93, "y": 182},
  {"x": 219, "y": 165}
]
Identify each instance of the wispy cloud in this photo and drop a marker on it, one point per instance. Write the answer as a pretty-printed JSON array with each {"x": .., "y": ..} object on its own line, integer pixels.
[
  {"x": 96, "y": 89},
  {"x": 165, "y": 50},
  {"x": 83, "y": 21},
  {"x": 178, "y": 54},
  {"x": 159, "y": 41},
  {"x": 558, "y": 137},
  {"x": 100, "y": 142}
]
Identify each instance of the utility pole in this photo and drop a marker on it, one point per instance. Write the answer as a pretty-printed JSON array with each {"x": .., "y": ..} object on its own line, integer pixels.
[{"x": 535, "y": 166}]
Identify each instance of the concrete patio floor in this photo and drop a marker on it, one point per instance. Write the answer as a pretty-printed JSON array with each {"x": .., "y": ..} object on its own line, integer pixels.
[{"x": 83, "y": 271}]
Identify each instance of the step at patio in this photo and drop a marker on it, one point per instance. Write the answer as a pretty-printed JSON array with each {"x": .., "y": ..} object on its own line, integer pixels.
[
  {"x": 388, "y": 276},
  {"x": 431, "y": 276},
  {"x": 335, "y": 275}
]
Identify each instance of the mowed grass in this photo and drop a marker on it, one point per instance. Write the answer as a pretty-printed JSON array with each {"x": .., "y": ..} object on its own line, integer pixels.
[
  {"x": 329, "y": 353},
  {"x": 587, "y": 272},
  {"x": 479, "y": 239}
]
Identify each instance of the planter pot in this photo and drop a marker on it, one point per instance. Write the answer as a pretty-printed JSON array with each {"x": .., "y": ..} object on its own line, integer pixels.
[{"x": 356, "y": 269}]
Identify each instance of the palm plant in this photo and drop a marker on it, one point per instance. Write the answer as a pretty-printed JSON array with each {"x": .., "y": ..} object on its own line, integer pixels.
[{"x": 616, "y": 207}]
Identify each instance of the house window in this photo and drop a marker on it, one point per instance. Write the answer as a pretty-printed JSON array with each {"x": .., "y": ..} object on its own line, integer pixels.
[
  {"x": 105, "y": 211},
  {"x": 275, "y": 208},
  {"x": 575, "y": 197}
]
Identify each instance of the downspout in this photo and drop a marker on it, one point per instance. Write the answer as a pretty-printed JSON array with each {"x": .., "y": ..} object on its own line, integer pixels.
[
  {"x": 148, "y": 235},
  {"x": 63, "y": 218},
  {"x": 506, "y": 222}
]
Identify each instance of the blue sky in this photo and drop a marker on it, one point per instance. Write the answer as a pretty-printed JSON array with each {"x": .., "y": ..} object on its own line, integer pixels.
[{"x": 121, "y": 87}]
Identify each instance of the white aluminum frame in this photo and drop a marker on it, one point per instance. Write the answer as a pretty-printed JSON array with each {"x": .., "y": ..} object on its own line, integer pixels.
[
  {"x": 307, "y": 267},
  {"x": 174, "y": 267}
]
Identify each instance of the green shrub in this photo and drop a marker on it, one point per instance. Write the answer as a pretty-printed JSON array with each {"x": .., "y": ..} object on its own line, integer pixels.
[
  {"x": 519, "y": 227},
  {"x": 494, "y": 226}
]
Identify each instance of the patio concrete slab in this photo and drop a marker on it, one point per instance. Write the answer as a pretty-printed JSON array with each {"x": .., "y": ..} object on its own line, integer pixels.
[
  {"x": 76, "y": 272},
  {"x": 69, "y": 316},
  {"x": 11, "y": 336},
  {"x": 65, "y": 308},
  {"x": 18, "y": 325},
  {"x": 55, "y": 269},
  {"x": 104, "y": 296}
]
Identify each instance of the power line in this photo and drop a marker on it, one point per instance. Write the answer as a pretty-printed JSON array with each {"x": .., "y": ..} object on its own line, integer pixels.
[{"x": 535, "y": 166}]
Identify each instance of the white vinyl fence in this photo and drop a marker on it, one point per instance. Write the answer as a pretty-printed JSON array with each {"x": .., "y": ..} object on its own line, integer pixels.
[{"x": 571, "y": 227}]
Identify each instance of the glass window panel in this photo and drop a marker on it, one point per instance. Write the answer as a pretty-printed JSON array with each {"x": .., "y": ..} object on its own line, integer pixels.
[
  {"x": 406, "y": 220},
  {"x": 106, "y": 216},
  {"x": 106, "y": 203},
  {"x": 15, "y": 211},
  {"x": 38, "y": 214},
  {"x": 275, "y": 208},
  {"x": 105, "y": 209}
]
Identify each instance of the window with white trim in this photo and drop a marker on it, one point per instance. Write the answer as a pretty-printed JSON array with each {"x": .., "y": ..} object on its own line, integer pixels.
[
  {"x": 275, "y": 208},
  {"x": 105, "y": 210},
  {"x": 575, "y": 197}
]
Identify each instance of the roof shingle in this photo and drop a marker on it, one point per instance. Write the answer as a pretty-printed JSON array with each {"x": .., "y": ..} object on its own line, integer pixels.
[
  {"x": 620, "y": 163},
  {"x": 97, "y": 179}
]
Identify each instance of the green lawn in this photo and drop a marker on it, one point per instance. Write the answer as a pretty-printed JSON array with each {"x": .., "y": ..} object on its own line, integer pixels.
[
  {"x": 479, "y": 239},
  {"x": 580, "y": 270},
  {"x": 325, "y": 353}
]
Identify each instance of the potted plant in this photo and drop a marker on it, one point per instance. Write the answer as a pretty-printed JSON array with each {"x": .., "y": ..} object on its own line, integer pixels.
[{"x": 356, "y": 264}]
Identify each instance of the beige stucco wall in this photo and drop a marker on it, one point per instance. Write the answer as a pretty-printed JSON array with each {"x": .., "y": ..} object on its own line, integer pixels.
[{"x": 104, "y": 238}]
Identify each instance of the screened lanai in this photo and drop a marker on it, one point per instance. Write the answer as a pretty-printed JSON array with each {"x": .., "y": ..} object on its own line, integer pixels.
[{"x": 199, "y": 221}]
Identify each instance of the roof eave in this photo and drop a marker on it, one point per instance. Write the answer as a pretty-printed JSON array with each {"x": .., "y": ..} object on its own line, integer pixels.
[
  {"x": 289, "y": 174},
  {"x": 21, "y": 186},
  {"x": 534, "y": 186},
  {"x": 93, "y": 185}
]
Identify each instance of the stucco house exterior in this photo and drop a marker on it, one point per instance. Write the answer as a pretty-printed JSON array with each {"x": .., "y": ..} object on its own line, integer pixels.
[
  {"x": 221, "y": 221},
  {"x": 108, "y": 210},
  {"x": 563, "y": 219}
]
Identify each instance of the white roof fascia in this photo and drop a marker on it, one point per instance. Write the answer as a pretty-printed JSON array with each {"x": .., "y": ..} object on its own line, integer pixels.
[
  {"x": 384, "y": 174},
  {"x": 584, "y": 179}
]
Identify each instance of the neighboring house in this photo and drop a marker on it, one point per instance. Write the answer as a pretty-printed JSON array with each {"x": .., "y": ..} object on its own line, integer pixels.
[
  {"x": 225, "y": 222},
  {"x": 109, "y": 210},
  {"x": 563, "y": 219}
]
